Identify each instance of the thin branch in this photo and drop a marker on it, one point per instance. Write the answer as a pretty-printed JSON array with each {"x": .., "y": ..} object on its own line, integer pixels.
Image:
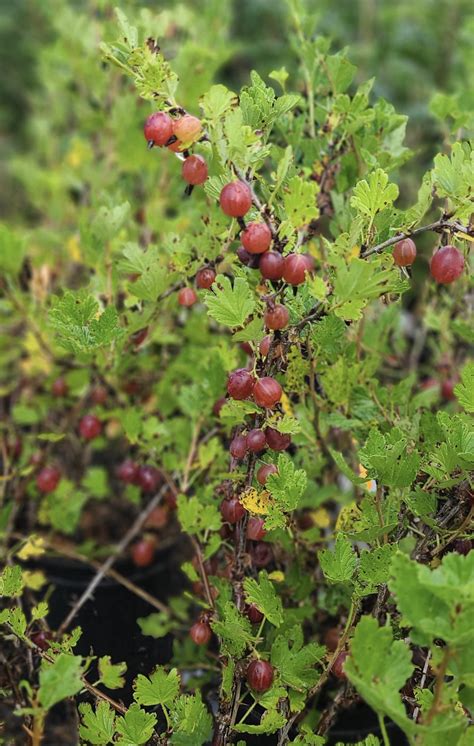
[
  {"x": 443, "y": 224},
  {"x": 117, "y": 551}
]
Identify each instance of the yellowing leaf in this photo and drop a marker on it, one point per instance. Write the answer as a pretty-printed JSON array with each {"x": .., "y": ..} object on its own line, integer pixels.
[
  {"x": 35, "y": 361},
  {"x": 321, "y": 518},
  {"x": 33, "y": 547},
  {"x": 277, "y": 575},
  {"x": 285, "y": 404},
  {"x": 347, "y": 516},
  {"x": 256, "y": 502},
  {"x": 73, "y": 248},
  {"x": 34, "y": 579}
]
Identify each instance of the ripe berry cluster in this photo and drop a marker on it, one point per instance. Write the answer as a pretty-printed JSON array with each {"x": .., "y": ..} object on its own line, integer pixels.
[{"x": 447, "y": 263}]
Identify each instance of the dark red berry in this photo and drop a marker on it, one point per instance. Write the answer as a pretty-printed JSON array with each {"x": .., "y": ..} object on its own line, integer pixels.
[
  {"x": 99, "y": 395},
  {"x": 261, "y": 554},
  {"x": 404, "y": 253},
  {"x": 295, "y": 267},
  {"x": 187, "y": 129},
  {"x": 267, "y": 392},
  {"x": 232, "y": 511},
  {"x": 42, "y": 638},
  {"x": 247, "y": 348},
  {"x": 205, "y": 277},
  {"x": 48, "y": 479},
  {"x": 195, "y": 170},
  {"x": 256, "y": 238},
  {"x": 218, "y": 406},
  {"x": 90, "y": 427},
  {"x": 276, "y": 317},
  {"x": 260, "y": 676},
  {"x": 148, "y": 478},
  {"x": 240, "y": 384},
  {"x": 60, "y": 387},
  {"x": 138, "y": 337},
  {"x": 461, "y": 546},
  {"x": 127, "y": 471},
  {"x": 236, "y": 199},
  {"x": 143, "y": 552},
  {"x": 256, "y": 440},
  {"x": 158, "y": 128},
  {"x": 338, "y": 666},
  {"x": 255, "y": 529},
  {"x": 253, "y": 614},
  {"x": 264, "y": 472},
  {"x": 252, "y": 261},
  {"x": 238, "y": 447},
  {"x": 277, "y": 441},
  {"x": 187, "y": 297},
  {"x": 271, "y": 265},
  {"x": 447, "y": 265},
  {"x": 331, "y": 638},
  {"x": 447, "y": 389},
  {"x": 200, "y": 633}
]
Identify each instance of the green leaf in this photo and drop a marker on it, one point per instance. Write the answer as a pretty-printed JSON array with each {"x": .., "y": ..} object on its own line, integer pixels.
[
  {"x": 374, "y": 568},
  {"x": 340, "y": 72},
  {"x": 60, "y": 679},
  {"x": 300, "y": 203},
  {"x": 376, "y": 194},
  {"x": 97, "y": 727},
  {"x": 360, "y": 281},
  {"x": 11, "y": 581},
  {"x": 161, "y": 688},
  {"x": 234, "y": 630},
  {"x": 464, "y": 391},
  {"x": 192, "y": 724},
  {"x": 111, "y": 674},
  {"x": 230, "y": 305},
  {"x": 217, "y": 101},
  {"x": 155, "y": 625},
  {"x": 262, "y": 594},
  {"x": 287, "y": 488},
  {"x": 76, "y": 319},
  {"x": 388, "y": 458},
  {"x": 195, "y": 517},
  {"x": 453, "y": 177},
  {"x": 271, "y": 721},
  {"x": 378, "y": 667},
  {"x": 96, "y": 482},
  {"x": 340, "y": 564},
  {"x": 12, "y": 251},
  {"x": 295, "y": 661},
  {"x": 136, "y": 727}
]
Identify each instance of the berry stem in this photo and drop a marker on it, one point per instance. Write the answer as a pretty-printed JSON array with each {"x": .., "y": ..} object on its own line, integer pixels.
[{"x": 443, "y": 224}]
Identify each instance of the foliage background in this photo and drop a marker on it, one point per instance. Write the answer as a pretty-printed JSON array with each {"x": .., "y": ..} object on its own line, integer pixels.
[{"x": 414, "y": 49}]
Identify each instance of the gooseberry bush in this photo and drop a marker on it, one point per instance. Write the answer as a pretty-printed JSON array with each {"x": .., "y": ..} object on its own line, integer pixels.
[{"x": 271, "y": 371}]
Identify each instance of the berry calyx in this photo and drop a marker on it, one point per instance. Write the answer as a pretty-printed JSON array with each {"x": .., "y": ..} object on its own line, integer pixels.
[
  {"x": 200, "y": 633},
  {"x": 143, "y": 552},
  {"x": 267, "y": 392},
  {"x": 205, "y": 277},
  {"x": 255, "y": 529},
  {"x": 60, "y": 387},
  {"x": 256, "y": 238},
  {"x": 260, "y": 675},
  {"x": 235, "y": 199},
  {"x": 447, "y": 265},
  {"x": 276, "y": 317},
  {"x": 264, "y": 472},
  {"x": 271, "y": 265},
  {"x": 148, "y": 478},
  {"x": 127, "y": 471},
  {"x": 338, "y": 666},
  {"x": 240, "y": 384},
  {"x": 90, "y": 427},
  {"x": 195, "y": 170},
  {"x": 187, "y": 129},
  {"x": 254, "y": 615},
  {"x": 404, "y": 252},
  {"x": 158, "y": 128},
  {"x": 256, "y": 440},
  {"x": 238, "y": 447},
  {"x": 295, "y": 267},
  {"x": 277, "y": 441},
  {"x": 187, "y": 297},
  {"x": 231, "y": 510}
]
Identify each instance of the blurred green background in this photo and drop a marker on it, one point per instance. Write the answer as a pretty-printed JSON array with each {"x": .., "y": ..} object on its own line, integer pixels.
[{"x": 414, "y": 49}]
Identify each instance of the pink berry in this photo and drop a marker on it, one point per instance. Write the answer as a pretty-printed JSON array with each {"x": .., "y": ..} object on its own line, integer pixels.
[
  {"x": 264, "y": 472},
  {"x": 267, "y": 392},
  {"x": 260, "y": 675},
  {"x": 143, "y": 552},
  {"x": 295, "y": 267},
  {"x": 277, "y": 441},
  {"x": 236, "y": 199},
  {"x": 447, "y": 265},
  {"x": 187, "y": 129},
  {"x": 148, "y": 478},
  {"x": 158, "y": 128},
  {"x": 59, "y": 387},
  {"x": 256, "y": 238},
  {"x": 404, "y": 252},
  {"x": 271, "y": 265},
  {"x": 276, "y": 317},
  {"x": 256, "y": 440},
  {"x": 90, "y": 427},
  {"x": 48, "y": 479},
  {"x": 238, "y": 447},
  {"x": 200, "y": 633},
  {"x": 240, "y": 384},
  {"x": 255, "y": 529},
  {"x": 187, "y": 297},
  {"x": 232, "y": 511},
  {"x": 127, "y": 471},
  {"x": 195, "y": 170}
]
